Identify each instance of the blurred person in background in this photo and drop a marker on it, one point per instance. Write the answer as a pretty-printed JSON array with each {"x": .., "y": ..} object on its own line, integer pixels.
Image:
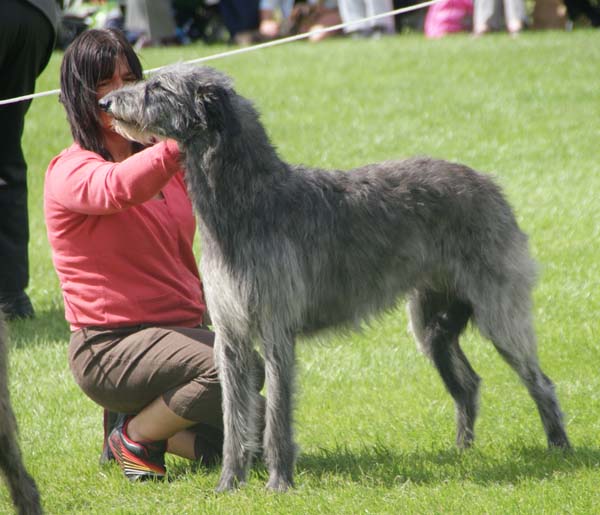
[
  {"x": 27, "y": 37},
  {"x": 150, "y": 22},
  {"x": 352, "y": 11},
  {"x": 491, "y": 15},
  {"x": 241, "y": 17},
  {"x": 308, "y": 16}
]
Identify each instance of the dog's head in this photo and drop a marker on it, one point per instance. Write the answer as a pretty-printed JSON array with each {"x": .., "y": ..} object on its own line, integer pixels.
[{"x": 179, "y": 102}]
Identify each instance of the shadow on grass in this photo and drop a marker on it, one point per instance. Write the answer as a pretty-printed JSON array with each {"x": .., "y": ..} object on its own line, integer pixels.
[
  {"x": 47, "y": 326},
  {"x": 179, "y": 468},
  {"x": 379, "y": 465}
]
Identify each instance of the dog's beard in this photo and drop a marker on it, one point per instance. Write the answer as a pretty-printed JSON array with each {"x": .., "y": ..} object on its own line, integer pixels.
[{"x": 133, "y": 133}]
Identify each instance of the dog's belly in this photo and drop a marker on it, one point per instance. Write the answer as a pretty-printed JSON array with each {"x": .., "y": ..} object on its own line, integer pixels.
[{"x": 352, "y": 299}]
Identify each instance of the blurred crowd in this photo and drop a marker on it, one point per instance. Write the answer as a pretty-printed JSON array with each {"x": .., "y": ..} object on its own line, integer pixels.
[{"x": 246, "y": 22}]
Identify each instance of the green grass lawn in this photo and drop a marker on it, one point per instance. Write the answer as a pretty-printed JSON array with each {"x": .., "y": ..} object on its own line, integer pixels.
[{"x": 375, "y": 426}]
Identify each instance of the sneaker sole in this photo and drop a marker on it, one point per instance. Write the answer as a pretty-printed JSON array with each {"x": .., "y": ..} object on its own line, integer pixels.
[{"x": 133, "y": 469}]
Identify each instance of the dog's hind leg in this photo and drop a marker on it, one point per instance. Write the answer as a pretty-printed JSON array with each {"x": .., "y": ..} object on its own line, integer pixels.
[
  {"x": 236, "y": 364},
  {"x": 437, "y": 321},
  {"x": 506, "y": 321},
  {"x": 279, "y": 447}
]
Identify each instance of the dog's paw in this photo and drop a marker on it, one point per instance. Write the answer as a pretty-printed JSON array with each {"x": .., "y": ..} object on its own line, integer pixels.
[
  {"x": 278, "y": 483},
  {"x": 558, "y": 440},
  {"x": 228, "y": 482}
]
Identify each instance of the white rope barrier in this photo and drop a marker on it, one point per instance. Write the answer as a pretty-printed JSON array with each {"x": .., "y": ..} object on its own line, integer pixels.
[{"x": 253, "y": 48}]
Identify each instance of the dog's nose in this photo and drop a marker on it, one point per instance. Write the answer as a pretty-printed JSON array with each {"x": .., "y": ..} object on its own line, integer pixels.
[{"x": 105, "y": 104}]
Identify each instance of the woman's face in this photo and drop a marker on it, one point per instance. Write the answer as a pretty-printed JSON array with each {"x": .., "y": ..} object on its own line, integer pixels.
[{"x": 121, "y": 76}]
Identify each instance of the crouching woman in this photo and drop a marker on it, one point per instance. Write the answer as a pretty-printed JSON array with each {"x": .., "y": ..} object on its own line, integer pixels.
[{"x": 121, "y": 228}]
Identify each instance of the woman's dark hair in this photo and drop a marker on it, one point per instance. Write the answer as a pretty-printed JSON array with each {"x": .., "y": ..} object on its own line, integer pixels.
[{"x": 90, "y": 59}]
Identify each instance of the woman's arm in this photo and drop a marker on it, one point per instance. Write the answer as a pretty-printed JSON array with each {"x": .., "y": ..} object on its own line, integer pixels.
[{"x": 84, "y": 182}]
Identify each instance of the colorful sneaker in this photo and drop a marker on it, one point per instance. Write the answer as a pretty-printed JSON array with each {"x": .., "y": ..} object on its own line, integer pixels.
[{"x": 139, "y": 461}]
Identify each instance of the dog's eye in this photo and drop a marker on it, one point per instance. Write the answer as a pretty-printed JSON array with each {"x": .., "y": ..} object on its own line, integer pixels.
[
  {"x": 147, "y": 94},
  {"x": 154, "y": 87}
]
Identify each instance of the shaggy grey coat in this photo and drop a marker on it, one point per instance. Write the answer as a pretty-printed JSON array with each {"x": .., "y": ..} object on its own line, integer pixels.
[
  {"x": 291, "y": 249},
  {"x": 22, "y": 487}
]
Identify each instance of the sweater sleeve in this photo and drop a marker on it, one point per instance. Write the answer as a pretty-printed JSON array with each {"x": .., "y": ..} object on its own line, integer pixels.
[{"x": 84, "y": 182}]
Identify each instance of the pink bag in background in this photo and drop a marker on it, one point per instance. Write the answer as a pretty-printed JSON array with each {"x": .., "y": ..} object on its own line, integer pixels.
[{"x": 449, "y": 16}]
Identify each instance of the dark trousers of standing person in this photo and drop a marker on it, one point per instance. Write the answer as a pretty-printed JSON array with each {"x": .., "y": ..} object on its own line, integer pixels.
[
  {"x": 577, "y": 7},
  {"x": 239, "y": 15},
  {"x": 26, "y": 42}
]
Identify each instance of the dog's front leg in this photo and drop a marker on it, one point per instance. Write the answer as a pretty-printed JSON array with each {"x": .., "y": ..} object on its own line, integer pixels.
[
  {"x": 236, "y": 365},
  {"x": 279, "y": 447},
  {"x": 23, "y": 489}
]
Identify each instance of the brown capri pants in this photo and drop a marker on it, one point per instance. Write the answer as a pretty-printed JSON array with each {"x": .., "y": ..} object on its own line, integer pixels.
[{"x": 125, "y": 369}]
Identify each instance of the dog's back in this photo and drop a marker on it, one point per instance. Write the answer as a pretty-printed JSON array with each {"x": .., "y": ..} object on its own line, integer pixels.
[{"x": 363, "y": 238}]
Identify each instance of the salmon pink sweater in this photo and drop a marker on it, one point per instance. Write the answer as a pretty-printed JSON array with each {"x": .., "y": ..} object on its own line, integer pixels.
[{"x": 121, "y": 237}]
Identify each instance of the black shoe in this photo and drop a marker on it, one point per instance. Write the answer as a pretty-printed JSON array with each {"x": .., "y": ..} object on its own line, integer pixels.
[
  {"x": 110, "y": 421},
  {"x": 16, "y": 305},
  {"x": 208, "y": 444},
  {"x": 139, "y": 461}
]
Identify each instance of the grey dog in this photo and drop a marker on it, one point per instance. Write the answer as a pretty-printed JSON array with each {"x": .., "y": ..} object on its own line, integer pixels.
[
  {"x": 290, "y": 250},
  {"x": 22, "y": 487}
]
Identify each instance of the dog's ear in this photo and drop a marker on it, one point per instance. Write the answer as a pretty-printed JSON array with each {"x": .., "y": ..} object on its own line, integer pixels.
[{"x": 214, "y": 105}]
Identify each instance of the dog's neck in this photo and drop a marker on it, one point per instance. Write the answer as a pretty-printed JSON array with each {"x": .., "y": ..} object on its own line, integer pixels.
[{"x": 230, "y": 172}]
